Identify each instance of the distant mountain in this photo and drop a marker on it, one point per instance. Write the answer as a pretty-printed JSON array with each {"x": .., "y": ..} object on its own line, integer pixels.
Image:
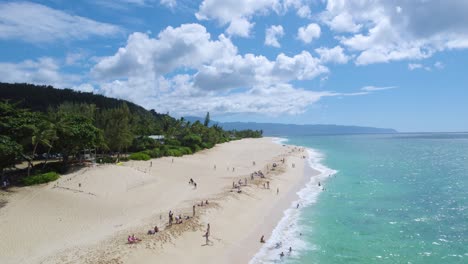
[{"x": 274, "y": 129}]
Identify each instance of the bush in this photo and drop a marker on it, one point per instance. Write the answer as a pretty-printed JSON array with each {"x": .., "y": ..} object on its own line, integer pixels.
[
  {"x": 139, "y": 156},
  {"x": 41, "y": 178},
  {"x": 155, "y": 153},
  {"x": 173, "y": 142},
  {"x": 185, "y": 150},
  {"x": 196, "y": 148},
  {"x": 173, "y": 153}
]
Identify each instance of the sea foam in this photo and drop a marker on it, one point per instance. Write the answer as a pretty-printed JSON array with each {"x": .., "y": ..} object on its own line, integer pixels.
[{"x": 288, "y": 231}]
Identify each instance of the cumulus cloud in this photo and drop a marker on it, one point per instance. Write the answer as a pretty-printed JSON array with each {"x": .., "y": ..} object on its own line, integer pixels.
[
  {"x": 308, "y": 33},
  {"x": 386, "y": 31},
  {"x": 184, "y": 70},
  {"x": 272, "y": 34},
  {"x": 301, "y": 6},
  {"x": 236, "y": 13},
  {"x": 38, "y": 23},
  {"x": 239, "y": 27},
  {"x": 43, "y": 71},
  {"x": 334, "y": 55},
  {"x": 189, "y": 45}
]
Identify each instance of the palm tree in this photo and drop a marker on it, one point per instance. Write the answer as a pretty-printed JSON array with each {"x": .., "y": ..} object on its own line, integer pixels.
[{"x": 44, "y": 135}]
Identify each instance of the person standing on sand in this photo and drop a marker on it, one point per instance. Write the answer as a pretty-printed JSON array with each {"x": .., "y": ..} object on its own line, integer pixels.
[
  {"x": 208, "y": 229},
  {"x": 151, "y": 164},
  {"x": 194, "y": 210},
  {"x": 268, "y": 184},
  {"x": 206, "y": 235},
  {"x": 277, "y": 190},
  {"x": 262, "y": 239}
]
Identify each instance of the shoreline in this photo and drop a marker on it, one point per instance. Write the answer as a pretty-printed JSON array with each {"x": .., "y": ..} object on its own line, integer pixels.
[
  {"x": 125, "y": 199},
  {"x": 277, "y": 215}
]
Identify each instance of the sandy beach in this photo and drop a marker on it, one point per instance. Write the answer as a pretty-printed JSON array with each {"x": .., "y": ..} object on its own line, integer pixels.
[{"x": 86, "y": 216}]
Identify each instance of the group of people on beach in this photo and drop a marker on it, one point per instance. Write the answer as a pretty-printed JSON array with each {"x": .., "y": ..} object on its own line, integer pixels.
[
  {"x": 132, "y": 239},
  {"x": 278, "y": 245},
  {"x": 257, "y": 173},
  {"x": 192, "y": 182}
]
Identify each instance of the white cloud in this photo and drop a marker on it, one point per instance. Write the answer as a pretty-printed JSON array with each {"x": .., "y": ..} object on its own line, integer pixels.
[
  {"x": 397, "y": 30},
  {"x": 272, "y": 34},
  {"x": 334, "y": 55},
  {"x": 303, "y": 11},
  {"x": 227, "y": 10},
  {"x": 77, "y": 58},
  {"x": 85, "y": 87},
  {"x": 169, "y": 3},
  {"x": 414, "y": 66},
  {"x": 376, "y": 88},
  {"x": 187, "y": 46},
  {"x": 38, "y": 23},
  {"x": 44, "y": 71},
  {"x": 343, "y": 22},
  {"x": 308, "y": 33},
  {"x": 439, "y": 65},
  {"x": 238, "y": 13},
  {"x": 301, "y": 7},
  {"x": 183, "y": 70},
  {"x": 239, "y": 27}
]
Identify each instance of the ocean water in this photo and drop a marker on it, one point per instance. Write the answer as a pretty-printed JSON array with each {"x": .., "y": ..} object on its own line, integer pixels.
[{"x": 387, "y": 199}]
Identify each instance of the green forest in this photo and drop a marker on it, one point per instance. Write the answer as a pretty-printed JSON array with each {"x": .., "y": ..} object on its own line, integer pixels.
[{"x": 51, "y": 130}]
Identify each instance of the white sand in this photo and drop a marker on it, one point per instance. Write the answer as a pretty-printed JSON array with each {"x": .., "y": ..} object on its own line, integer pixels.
[{"x": 90, "y": 224}]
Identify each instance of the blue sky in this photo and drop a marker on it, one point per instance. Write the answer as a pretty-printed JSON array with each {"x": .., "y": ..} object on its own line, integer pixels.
[{"x": 397, "y": 64}]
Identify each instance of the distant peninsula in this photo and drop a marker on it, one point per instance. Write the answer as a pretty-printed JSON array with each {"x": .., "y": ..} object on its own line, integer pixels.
[{"x": 275, "y": 129}]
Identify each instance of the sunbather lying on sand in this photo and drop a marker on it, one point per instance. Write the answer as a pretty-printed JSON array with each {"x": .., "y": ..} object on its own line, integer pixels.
[{"x": 132, "y": 239}]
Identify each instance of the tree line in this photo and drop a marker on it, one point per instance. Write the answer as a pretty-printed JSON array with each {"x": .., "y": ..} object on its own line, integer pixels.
[{"x": 75, "y": 127}]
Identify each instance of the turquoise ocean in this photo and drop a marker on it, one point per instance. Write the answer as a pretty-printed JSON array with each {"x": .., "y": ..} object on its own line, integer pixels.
[{"x": 400, "y": 198}]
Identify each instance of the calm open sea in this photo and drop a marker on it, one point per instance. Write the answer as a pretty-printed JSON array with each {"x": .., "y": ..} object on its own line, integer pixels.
[{"x": 388, "y": 199}]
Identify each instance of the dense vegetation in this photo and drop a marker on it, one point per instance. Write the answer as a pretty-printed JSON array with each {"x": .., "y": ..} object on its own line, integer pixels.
[{"x": 39, "y": 122}]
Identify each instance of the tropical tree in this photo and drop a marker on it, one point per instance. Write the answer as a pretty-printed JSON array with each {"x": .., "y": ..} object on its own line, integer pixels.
[
  {"x": 116, "y": 125},
  {"x": 44, "y": 135},
  {"x": 75, "y": 131},
  {"x": 207, "y": 119},
  {"x": 9, "y": 152}
]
